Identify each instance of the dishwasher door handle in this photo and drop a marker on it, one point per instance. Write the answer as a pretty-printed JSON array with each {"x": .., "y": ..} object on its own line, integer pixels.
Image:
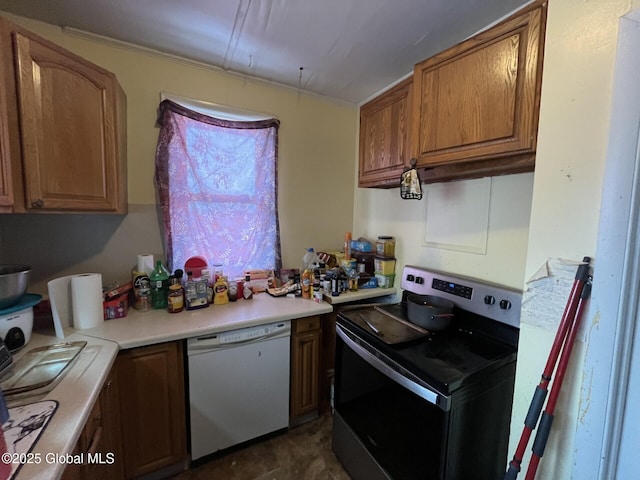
[{"x": 213, "y": 342}]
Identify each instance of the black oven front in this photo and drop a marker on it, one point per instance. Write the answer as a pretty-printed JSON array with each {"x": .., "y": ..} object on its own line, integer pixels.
[
  {"x": 436, "y": 408},
  {"x": 387, "y": 426}
]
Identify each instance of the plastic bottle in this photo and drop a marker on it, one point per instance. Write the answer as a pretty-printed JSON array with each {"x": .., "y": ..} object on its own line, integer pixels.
[
  {"x": 206, "y": 277},
  {"x": 310, "y": 259},
  {"x": 309, "y": 263},
  {"x": 247, "y": 290},
  {"x": 307, "y": 283},
  {"x": 220, "y": 291},
  {"x": 353, "y": 280},
  {"x": 347, "y": 246},
  {"x": 159, "y": 286}
]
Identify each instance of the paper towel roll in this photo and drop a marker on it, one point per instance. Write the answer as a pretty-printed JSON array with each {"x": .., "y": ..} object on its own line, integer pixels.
[
  {"x": 145, "y": 263},
  {"x": 60, "y": 300},
  {"x": 86, "y": 300}
]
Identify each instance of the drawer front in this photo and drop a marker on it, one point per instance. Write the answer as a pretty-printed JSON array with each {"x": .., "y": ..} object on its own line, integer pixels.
[{"x": 307, "y": 324}]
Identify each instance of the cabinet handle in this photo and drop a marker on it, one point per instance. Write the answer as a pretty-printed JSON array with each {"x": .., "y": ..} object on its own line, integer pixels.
[{"x": 38, "y": 203}]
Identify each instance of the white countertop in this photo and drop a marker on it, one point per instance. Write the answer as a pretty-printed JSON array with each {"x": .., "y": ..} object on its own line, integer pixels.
[
  {"x": 81, "y": 385},
  {"x": 76, "y": 394},
  {"x": 156, "y": 326}
]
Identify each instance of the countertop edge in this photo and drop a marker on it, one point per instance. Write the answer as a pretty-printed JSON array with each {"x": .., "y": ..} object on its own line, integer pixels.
[
  {"x": 86, "y": 382},
  {"x": 76, "y": 394}
]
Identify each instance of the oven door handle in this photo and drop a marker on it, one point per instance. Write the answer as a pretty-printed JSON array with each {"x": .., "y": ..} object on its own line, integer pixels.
[{"x": 398, "y": 374}]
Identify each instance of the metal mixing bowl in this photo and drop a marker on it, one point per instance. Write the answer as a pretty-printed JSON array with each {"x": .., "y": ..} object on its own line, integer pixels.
[{"x": 13, "y": 283}]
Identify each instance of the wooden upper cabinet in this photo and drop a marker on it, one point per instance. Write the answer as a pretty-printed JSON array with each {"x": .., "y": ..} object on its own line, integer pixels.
[
  {"x": 384, "y": 143},
  {"x": 62, "y": 128},
  {"x": 479, "y": 100}
]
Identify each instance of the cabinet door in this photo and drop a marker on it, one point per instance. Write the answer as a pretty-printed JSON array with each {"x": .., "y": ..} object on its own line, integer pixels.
[
  {"x": 69, "y": 114},
  {"x": 152, "y": 407},
  {"x": 305, "y": 369},
  {"x": 480, "y": 99},
  {"x": 384, "y": 144},
  {"x": 110, "y": 445},
  {"x": 97, "y": 453}
]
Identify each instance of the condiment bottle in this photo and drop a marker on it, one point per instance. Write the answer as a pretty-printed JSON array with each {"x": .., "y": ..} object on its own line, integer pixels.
[
  {"x": 159, "y": 286},
  {"x": 220, "y": 291},
  {"x": 233, "y": 291},
  {"x": 175, "y": 298},
  {"x": 247, "y": 289}
]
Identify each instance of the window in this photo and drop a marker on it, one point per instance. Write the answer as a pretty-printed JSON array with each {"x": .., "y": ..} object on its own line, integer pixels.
[{"x": 217, "y": 186}]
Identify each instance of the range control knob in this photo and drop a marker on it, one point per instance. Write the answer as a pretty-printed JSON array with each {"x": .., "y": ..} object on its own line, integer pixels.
[
  {"x": 410, "y": 278},
  {"x": 489, "y": 299},
  {"x": 419, "y": 280},
  {"x": 505, "y": 304}
]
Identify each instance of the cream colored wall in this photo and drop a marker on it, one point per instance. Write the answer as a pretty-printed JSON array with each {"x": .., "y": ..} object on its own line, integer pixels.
[
  {"x": 316, "y": 148},
  {"x": 382, "y": 212},
  {"x": 574, "y": 121}
]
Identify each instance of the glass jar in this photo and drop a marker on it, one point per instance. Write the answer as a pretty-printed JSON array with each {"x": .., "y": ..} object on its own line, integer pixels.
[{"x": 175, "y": 299}]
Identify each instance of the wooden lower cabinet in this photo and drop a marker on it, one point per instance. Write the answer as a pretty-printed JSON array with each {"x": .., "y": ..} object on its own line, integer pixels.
[
  {"x": 306, "y": 343},
  {"x": 152, "y": 408},
  {"x": 100, "y": 440}
]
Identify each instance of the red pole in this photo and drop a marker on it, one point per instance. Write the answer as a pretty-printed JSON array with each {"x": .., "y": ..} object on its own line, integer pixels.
[
  {"x": 540, "y": 393},
  {"x": 546, "y": 421}
]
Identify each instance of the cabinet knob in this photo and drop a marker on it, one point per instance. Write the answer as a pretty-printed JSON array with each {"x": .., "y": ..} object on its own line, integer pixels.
[{"x": 38, "y": 203}]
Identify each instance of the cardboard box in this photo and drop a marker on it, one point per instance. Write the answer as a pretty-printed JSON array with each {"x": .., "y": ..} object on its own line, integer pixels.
[{"x": 117, "y": 307}]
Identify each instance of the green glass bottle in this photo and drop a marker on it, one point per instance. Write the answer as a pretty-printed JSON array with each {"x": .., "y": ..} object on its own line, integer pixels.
[{"x": 159, "y": 279}]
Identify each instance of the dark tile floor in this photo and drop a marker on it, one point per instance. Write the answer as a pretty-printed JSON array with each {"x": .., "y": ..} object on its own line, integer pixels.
[{"x": 303, "y": 452}]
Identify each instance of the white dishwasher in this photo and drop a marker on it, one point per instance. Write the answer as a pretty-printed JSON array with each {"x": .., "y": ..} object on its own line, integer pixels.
[{"x": 238, "y": 386}]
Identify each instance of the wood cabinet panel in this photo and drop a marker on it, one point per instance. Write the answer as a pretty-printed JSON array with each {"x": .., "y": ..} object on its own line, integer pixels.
[
  {"x": 306, "y": 344},
  {"x": 384, "y": 131},
  {"x": 100, "y": 439},
  {"x": 152, "y": 407},
  {"x": 64, "y": 120},
  {"x": 479, "y": 100}
]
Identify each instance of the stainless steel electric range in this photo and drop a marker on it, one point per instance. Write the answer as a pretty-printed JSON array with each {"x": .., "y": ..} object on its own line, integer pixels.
[{"x": 414, "y": 404}]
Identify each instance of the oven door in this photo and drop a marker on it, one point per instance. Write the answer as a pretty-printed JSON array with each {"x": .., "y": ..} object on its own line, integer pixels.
[{"x": 387, "y": 423}]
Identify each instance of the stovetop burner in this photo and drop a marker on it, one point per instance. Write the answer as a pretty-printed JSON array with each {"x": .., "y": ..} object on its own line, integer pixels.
[{"x": 481, "y": 338}]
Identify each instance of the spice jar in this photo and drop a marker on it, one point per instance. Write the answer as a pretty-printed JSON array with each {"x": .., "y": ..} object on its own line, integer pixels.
[{"x": 175, "y": 299}]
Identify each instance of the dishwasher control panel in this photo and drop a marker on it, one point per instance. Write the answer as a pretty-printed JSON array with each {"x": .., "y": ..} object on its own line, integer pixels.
[
  {"x": 253, "y": 333},
  {"x": 241, "y": 335}
]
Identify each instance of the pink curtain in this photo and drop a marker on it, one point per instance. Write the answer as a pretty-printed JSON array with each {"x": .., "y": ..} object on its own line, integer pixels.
[{"x": 217, "y": 187}]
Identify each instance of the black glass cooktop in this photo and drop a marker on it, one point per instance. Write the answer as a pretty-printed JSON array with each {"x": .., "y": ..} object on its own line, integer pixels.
[{"x": 471, "y": 347}]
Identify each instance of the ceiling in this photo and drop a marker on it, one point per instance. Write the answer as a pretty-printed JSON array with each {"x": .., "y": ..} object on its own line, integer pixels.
[{"x": 344, "y": 49}]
